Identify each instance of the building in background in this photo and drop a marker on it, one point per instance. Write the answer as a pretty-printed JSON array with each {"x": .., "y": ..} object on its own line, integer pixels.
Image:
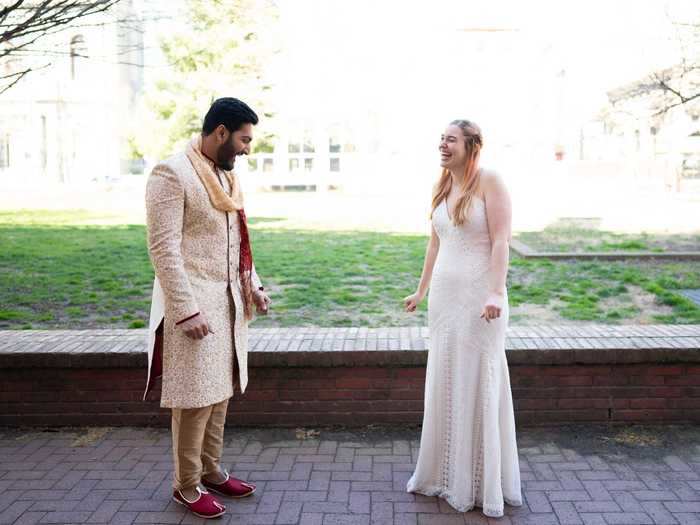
[
  {"x": 366, "y": 109},
  {"x": 638, "y": 134},
  {"x": 68, "y": 122},
  {"x": 368, "y": 112}
]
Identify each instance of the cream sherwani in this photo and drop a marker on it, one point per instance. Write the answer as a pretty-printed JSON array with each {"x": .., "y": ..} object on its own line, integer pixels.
[{"x": 194, "y": 249}]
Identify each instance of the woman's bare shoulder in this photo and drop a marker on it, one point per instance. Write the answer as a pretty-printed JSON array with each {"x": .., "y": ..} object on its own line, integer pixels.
[
  {"x": 491, "y": 176},
  {"x": 490, "y": 181}
]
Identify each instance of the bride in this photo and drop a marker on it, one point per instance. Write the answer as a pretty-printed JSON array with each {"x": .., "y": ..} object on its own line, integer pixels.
[{"x": 468, "y": 452}]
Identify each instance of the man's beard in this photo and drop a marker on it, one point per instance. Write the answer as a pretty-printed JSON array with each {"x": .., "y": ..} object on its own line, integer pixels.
[{"x": 226, "y": 157}]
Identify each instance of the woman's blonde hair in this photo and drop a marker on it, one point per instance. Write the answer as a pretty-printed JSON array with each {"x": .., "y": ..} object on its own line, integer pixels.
[{"x": 473, "y": 143}]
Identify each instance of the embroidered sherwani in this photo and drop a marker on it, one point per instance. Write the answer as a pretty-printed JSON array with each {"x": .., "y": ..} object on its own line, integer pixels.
[{"x": 195, "y": 252}]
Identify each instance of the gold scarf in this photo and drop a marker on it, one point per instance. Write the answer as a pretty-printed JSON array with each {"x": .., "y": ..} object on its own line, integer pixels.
[
  {"x": 205, "y": 170},
  {"x": 227, "y": 203}
]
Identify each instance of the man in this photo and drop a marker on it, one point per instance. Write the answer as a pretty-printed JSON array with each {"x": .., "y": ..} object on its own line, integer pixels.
[{"x": 204, "y": 294}]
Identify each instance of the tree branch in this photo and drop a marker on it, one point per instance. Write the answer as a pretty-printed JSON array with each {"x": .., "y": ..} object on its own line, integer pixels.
[
  {"x": 18, "y": 76},
  {"x": 680, "y": 102},
  {"x": 23, "y": 24},
  {"x": 49, "y": 15}
]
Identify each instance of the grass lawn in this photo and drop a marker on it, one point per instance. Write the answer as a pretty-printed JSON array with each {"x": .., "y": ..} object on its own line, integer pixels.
[
  {"x": 57, "y": 270},
  {"x": 567, "y": 237}
]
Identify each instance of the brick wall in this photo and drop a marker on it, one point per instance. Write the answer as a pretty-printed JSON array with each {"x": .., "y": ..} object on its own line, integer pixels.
[
  {"x": 602, "y": 393},
  {"x": 355, "y": 395}
]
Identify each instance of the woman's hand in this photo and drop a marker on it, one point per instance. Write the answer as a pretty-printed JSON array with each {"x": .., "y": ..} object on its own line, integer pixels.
[
  {"x": 493, "y": 307},
  {"x": 412, "y": 301}
]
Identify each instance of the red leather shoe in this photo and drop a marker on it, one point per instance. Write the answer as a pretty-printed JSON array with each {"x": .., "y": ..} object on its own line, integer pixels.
[
  {"x": 232, "y": 487},
  {"x": 205, "y": 506}
]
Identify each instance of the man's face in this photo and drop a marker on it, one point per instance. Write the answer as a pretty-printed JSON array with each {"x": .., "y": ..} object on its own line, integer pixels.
[{"x": 233, "y": 144}]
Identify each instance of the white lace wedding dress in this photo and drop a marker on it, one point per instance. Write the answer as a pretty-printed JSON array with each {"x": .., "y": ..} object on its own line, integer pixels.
[{"x": 468, "y": 452}]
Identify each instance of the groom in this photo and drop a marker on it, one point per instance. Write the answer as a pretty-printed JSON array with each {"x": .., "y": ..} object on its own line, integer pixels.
[{"x": 204, "y": 294}]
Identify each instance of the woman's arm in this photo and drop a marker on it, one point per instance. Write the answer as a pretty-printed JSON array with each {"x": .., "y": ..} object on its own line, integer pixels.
[
  {"x": 412, "y": 301},
  {"x": 499, "y": 216}
]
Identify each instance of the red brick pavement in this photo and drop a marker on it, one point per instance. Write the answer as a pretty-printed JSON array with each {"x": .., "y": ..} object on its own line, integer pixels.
[{"x": 571, "y": 475}]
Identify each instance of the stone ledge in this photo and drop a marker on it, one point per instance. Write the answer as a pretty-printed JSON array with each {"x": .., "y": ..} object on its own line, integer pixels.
[
  {"x": 355, "y": 377},
  {"x": 526, "y": 252},
  {"x": 332, "y": 347}
]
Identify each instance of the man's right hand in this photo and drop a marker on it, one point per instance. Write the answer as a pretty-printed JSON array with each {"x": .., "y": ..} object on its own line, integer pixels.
[{"x": 197, "y": 327}]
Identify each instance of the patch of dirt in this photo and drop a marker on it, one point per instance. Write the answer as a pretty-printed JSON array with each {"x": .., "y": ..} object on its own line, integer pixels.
[
  {"x": 536, "y": 314},
  {"x": 89, "y": 436},
  {"x": 306, "y": 433},
  {"x": 641, "y": 299},
  {"x": 79, "y": 437},
  {"x": 616, "y": 441},
  {"x": 634, "y": 437},
  {"x": 526, "y": 314}
]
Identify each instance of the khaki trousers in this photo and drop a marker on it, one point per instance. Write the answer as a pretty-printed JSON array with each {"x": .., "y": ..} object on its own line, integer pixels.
[{"x": 198, "y": 441}]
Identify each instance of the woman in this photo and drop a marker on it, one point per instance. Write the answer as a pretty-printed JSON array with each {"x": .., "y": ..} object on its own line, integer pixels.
[{"x": 468, "y": 453}]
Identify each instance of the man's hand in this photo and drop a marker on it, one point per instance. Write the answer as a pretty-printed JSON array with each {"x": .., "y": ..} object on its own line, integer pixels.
[
  {"x": 262, "y": 302},
  {"x": 197, "y": 327}
]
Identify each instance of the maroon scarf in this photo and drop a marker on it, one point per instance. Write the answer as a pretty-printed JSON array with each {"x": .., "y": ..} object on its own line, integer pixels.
[{"x": 245, "y": 265}]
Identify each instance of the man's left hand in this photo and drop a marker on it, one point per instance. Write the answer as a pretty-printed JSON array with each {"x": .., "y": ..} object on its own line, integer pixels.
[{"x": 262, "y": 302}]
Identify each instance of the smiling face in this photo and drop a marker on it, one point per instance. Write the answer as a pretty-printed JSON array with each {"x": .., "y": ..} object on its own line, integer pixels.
[
  {"x": 453, "y": 153},
  {"x": 231, "y": 145}
]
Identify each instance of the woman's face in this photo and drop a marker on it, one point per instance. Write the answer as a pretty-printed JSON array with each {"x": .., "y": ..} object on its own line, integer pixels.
[{"x": 453, "y": 153}]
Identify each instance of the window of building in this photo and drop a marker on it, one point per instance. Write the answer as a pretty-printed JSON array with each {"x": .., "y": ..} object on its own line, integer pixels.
[
  {"x": 308, "y": 145},
  {"x": 78, "y": 53},
  {"x": 44, "y": 143},
  {"x": 268, "y": 164},
  {"x": 335, "y": 164},
  {"x": 301, "y": 145},
  {"x": 4, "y": 151}
]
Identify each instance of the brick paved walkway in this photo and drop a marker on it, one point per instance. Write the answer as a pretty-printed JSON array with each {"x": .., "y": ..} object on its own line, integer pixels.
[{"x": 571, "y": 475}]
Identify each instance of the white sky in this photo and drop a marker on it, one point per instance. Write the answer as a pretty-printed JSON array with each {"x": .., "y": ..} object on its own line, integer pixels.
[
  {"x": 393, "y": 64},
  {"x": 406, "y": 60}
]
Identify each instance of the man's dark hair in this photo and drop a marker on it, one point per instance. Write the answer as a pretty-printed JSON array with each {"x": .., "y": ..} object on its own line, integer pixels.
[{"x": 230, "y": 112}]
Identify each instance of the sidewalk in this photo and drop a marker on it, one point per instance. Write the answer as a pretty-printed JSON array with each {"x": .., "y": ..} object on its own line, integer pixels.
[{"x": 592, "y": 475}]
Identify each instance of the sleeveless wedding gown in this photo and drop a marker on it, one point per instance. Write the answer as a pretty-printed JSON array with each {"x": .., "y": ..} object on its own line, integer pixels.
[{"x": 468, "y": 452}]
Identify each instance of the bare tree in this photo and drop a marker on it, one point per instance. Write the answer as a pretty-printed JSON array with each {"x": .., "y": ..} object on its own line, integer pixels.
[
  {"x": 679, "y": 85},
  {"x": 26, "y": 23}
]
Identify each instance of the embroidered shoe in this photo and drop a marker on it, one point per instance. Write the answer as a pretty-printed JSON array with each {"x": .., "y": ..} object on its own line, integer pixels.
[
  {"x": 231, "y": 487},
  {"x": 205, "y": 506}
]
